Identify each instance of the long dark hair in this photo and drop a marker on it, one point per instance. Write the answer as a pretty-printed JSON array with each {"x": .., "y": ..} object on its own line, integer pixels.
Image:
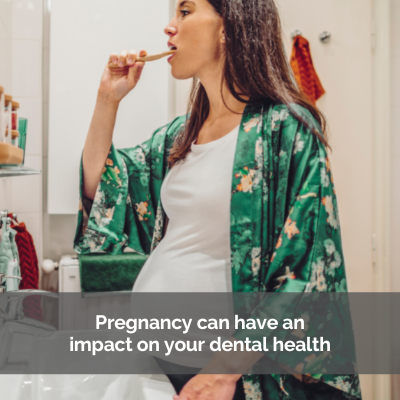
[{"x": 252, "y": 29}]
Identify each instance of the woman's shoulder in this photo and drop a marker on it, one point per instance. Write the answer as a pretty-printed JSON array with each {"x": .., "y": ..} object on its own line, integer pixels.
[
  {"x": 294, "y": 122},
  {"x": 298, "y": 130},
  {"x": 293, "y": 114},
  {"x": 175, "y": 126}
]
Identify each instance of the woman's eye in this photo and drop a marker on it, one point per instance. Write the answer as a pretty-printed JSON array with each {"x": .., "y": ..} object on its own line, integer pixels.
[{"x": 184, "y": 11}]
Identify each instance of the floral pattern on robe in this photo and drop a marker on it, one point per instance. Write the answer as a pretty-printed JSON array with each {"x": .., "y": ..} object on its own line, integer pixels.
[{"x": 285, "y": 229}]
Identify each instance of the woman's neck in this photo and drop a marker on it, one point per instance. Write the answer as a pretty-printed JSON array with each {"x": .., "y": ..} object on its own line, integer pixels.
[{"x": 218, "y": 110}]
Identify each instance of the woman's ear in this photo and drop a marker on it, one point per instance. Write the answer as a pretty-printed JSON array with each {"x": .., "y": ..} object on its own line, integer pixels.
[{"x": 221, "y": 29}]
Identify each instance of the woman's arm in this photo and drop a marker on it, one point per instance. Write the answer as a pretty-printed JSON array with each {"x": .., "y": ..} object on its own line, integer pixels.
[{"x": 114, "y": 86}]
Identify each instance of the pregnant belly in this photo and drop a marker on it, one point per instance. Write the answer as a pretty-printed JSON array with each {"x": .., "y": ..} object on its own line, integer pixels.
[{"x": 169, "y": 269}]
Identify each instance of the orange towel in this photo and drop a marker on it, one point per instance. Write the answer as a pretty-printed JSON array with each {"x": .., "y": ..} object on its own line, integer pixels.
[{"x": 304, "y": 71}]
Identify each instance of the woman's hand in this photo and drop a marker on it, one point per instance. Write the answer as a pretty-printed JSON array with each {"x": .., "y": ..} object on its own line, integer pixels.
[
  {"x": 116, "y": 83},
  {"x": 209, "y": 387}
]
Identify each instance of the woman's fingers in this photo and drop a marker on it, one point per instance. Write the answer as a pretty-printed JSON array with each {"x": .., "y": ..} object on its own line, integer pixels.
[
  {"x": 122, "y": 58},
  {"x": 126, "y": 58},
  {"x": 131, "y": 58},
  {"x": 113, "y": 58},
  {"x": 143, "y": 53},
  {"x": 135, "y": 71},
  {"x": 129, "y": 68}
]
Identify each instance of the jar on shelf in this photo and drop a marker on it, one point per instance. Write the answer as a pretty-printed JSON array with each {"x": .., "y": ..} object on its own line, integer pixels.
[
  {"x": 14, "y": 123},
  {"x": 14, "y": 137},
  {"x": 15, "y": 108},
  {"x": 7, "y": 114}
]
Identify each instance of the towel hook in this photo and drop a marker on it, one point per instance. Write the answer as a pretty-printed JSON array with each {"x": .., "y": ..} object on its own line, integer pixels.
[
  {"x": 296, "y": 33},
  {"x": 325, "y": 37}
]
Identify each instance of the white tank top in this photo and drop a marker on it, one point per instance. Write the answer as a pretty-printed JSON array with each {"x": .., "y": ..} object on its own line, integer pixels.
[{"x": 195, "y": 254}]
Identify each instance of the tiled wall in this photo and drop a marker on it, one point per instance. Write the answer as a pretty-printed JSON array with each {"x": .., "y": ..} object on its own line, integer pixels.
[
  {"x": 395, "y": 156},
  {"x": 21, "y": 75},
  {"x": 5, "y": 45}
]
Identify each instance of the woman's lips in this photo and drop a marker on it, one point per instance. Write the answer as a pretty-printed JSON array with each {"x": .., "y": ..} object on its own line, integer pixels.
[
  {"x": 171, "y": 47},
  {"x": 171, "y": 57}
]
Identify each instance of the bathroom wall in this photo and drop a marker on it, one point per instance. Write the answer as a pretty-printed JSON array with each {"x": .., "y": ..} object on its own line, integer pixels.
[
  {"x": 21, "y": 75},
  {"x": 5, "y": 44}
]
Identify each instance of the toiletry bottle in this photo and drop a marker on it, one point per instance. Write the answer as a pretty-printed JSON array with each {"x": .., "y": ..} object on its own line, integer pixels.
[{"x": 14, "y": 118}]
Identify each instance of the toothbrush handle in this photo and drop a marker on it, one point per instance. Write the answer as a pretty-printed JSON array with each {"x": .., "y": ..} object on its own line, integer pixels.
[{"x": 152, "y": 57}]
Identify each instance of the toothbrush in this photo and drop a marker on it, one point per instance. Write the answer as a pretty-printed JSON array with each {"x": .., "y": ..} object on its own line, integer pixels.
[{"x": 152, "y": 57}]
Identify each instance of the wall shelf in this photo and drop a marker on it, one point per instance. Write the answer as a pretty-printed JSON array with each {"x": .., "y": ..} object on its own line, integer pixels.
[{"x": 17, "y": 170}]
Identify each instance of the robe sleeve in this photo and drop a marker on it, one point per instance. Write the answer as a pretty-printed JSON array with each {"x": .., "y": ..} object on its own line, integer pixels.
[
  {"x": 307, "y": 254},
  {"x": 123, "y": 212},
  {"x": 304, "y": 225}
]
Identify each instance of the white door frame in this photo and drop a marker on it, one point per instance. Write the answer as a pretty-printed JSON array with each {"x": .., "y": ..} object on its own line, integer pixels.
[{"x": 381, "y": 89}]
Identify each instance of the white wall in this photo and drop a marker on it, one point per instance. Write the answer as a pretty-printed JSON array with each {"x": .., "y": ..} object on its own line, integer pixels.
[
  {"x": 21, "y": 75},
  {"x": 5, "y": 44},
  {"x": 74, "y": 84}
]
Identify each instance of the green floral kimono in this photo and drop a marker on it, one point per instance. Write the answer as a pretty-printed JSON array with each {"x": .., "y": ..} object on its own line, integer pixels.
[{"x": 285, "y": 231}]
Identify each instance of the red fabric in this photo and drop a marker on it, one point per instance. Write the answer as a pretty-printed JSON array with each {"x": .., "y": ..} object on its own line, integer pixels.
[
  {"x": 29, "y": 270},
  {"x": 304, "y": 71}
]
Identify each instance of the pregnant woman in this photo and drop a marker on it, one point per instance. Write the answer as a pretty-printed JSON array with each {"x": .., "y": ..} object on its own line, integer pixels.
[{"x": 235, "y": 196}]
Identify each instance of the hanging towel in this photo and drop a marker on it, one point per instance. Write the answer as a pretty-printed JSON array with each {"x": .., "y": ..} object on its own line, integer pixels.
[
  {"x": 27, "y": 256},
  {"x": 105, "y": 273},
  {"x": 29, "y": 269},
  {"x": 304, "y": 71},
  {"x": 9, "y": 260}
]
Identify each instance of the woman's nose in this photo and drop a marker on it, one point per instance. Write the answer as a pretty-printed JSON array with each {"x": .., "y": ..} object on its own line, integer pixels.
[{"x": 170, "y": 30}]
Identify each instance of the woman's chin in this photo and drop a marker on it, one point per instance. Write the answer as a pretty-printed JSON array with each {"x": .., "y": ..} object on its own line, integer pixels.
[{"x": 181, "y": 74}]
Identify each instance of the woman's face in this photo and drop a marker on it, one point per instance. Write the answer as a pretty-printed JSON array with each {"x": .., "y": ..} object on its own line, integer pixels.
[{"x": 197, "y": 33}]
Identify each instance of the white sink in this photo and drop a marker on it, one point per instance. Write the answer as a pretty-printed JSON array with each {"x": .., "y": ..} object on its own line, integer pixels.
[
  {"x": 86, "y": 387},
  {"x": 99, "y": 386}
]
